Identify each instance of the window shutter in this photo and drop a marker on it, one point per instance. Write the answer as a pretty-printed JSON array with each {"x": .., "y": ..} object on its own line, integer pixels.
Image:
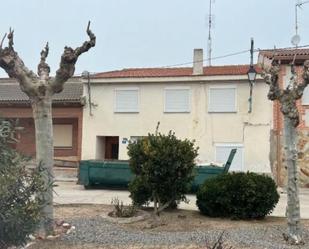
[
  {"x": 63, "y": 135},
  {"x": 177, "y": 100},
  {"x": 126, "y": 101},
  {"x": 222, "y": 100},
  {"x": 222, "y": 154}
]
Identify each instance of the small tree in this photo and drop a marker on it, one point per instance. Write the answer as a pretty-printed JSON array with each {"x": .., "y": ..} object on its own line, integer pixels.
[
  {"x": 20, "y": 191},
  {"x": 163, "y": 165},
  {"x": 287, "y": 98}
]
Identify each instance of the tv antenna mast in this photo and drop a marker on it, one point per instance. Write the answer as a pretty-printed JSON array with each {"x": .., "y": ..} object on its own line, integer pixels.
[
  {"x": 296, "y": 38},
  {"x": 210, "y": 24}
]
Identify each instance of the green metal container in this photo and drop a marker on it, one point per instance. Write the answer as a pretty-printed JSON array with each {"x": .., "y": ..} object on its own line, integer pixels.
[
  {"x": 105, "y": 173},
  {"x": 202, "y": 173},
  {"x": 117, "y": 174}
]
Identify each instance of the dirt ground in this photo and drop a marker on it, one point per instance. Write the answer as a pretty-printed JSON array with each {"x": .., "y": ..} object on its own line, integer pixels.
[{"x": 171, "y": 220}]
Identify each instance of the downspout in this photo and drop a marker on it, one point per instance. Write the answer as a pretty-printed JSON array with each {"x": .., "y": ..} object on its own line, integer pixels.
[{"x": 86, "y": 75}]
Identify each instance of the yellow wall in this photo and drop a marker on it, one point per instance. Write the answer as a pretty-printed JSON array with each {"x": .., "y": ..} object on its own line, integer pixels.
[{"x": 252, "y": 130}]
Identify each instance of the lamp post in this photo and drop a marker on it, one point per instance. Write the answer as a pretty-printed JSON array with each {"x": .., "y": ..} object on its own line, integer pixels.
[{"x": 251, "y": 76}]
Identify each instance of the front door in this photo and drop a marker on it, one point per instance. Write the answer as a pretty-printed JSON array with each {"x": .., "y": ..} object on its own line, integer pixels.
[{"x": 111, "y": 147}]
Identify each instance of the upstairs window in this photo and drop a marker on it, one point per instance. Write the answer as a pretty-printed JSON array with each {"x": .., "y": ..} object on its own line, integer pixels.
[
  {"x": 177, "y": 99},
  {"x": 222, "y": 99},
  {"x": 126, "y": 100}
]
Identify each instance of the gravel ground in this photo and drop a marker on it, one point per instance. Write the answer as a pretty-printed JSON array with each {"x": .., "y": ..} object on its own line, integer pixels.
[{"x": 97, "y": 230}]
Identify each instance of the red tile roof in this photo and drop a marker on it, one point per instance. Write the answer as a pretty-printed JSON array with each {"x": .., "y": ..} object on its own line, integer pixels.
[
  {"x": 175, "y": 72},
  {"x": 286, "y": 54}
]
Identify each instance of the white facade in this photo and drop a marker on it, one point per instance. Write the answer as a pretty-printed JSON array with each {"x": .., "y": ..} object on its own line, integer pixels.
[{"x": 213, "y": 110}]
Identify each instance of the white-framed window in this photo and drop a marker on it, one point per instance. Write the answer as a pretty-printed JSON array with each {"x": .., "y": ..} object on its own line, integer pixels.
[
  {"x": 134, "y": 139},
  {"x": 177, "y": 99},
  {"x": 222, "y": 99},
  {"x": 305, "y": 97},
  {"x": 63, "y": 135},
  {"x": 126, "y": 100},
  {"x": 222, "y": 153}
]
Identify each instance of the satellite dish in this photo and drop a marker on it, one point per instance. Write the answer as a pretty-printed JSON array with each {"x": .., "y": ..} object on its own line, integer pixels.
[{"x": 295, "y": 40}]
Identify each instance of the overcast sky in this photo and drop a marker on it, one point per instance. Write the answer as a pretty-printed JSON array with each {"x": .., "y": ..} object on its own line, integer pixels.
[{"x": 148, "y": 33}]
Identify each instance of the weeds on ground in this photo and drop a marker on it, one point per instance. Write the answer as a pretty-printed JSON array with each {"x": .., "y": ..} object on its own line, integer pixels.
[{"x": 121, "y": 210}]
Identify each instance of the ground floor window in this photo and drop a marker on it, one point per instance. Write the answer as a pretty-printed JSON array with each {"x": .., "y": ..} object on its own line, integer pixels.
[
  {"x": 63, "y": 135},
  {"x": 136, "y": 138},
  {"x": 222, "y": 152}
]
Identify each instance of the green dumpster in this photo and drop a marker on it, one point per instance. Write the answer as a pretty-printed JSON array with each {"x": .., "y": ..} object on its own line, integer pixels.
[
  {"x": 105, "y": 173},
  {"x": 117, "y": 174}
]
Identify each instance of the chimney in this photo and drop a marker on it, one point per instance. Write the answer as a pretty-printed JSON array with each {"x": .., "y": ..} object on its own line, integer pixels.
[{"x": 198, "y": 61}]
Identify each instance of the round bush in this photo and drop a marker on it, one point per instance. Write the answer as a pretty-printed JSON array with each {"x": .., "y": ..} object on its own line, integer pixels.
[{"x": 238, "y": 195}]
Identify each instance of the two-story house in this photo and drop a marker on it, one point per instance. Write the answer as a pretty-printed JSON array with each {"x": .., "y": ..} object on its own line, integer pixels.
[{"x": 207, "y": 104}]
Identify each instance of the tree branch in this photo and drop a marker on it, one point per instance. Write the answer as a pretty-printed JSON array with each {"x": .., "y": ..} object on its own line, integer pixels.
[
  {"x": 11, "y": 38},
  {"x": 301, "y": 87},
  {"x": 68, "y": 61},
  {"x": 271, "y": 77},
  {"x": 2, "y": 40},
  {"x": 15, "y": 67},
  {"x": 43, "y": 67}
]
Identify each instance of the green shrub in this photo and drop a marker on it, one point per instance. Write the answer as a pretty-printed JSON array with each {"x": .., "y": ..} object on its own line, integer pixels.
[
  {"x": 20, "y": 188},
  {"x": 163, "y": 165},
  {"x": 140, "y": 192},
  {"x": 238, "y": 195}
]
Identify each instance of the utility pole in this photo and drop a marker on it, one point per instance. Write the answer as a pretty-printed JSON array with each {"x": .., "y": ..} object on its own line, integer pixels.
[{"x": 251, "y": 75}]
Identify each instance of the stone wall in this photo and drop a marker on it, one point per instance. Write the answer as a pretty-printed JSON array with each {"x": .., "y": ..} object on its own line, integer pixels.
[{"x": 277, "y": 158}]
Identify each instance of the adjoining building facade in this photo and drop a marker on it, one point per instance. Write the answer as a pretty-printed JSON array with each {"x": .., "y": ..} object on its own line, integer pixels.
[
  {"x": 207, "y": 104},
  {"x": 285, "y": 57},
  {"x": 67, "y": 118}
]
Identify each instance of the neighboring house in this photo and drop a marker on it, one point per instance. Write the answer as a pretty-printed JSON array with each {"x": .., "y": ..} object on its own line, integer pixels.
[
  {"x": 285, "y": 57},
  {"x": 67, "y": 118},
  {"x": 207, "y": 104}
]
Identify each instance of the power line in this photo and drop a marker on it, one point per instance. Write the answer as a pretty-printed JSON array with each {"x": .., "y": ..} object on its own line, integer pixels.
[
  {"x": 219, "y": 57},
  {"x": 233, "y": 54},
  {"x": 213, "y": 58}
]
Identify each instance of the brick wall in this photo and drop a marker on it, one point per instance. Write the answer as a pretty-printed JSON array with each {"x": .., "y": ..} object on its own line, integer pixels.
[
  {"x": 278, "y": 161},
  {"x": 61, "y": 115}
]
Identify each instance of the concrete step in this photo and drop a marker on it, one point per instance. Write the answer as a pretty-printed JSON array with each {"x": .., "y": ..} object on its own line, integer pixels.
[
  {"x": 65, "y": 174},
  {"x": 66, "y": 163}
]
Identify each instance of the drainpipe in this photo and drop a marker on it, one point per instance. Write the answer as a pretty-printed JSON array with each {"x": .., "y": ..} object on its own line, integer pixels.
[{"x": 86, "y": 75}]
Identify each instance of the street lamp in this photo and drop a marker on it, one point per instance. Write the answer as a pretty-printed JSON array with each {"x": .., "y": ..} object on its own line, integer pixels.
[{"x": 251, "y": 76}]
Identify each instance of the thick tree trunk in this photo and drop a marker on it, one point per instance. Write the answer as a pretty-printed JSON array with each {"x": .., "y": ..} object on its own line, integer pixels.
[
  {"x": 293, "y": 209},
  {"x": 42, "y": 114},
  {"x": 40, "y": 88}
]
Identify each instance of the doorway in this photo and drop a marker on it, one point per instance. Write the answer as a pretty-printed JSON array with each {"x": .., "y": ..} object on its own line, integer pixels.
[{"x": 107, "y": 147}]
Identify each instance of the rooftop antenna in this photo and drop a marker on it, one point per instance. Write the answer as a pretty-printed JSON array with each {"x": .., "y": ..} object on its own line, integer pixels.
[
  {"x": 296, "y": 38},
  {"x": 210, "y": 24}
]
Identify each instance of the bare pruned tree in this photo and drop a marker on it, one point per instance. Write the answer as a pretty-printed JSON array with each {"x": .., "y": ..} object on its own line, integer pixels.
[
  {"x": 40, "y": 88},
  {"x": 288, "y": 98}
]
